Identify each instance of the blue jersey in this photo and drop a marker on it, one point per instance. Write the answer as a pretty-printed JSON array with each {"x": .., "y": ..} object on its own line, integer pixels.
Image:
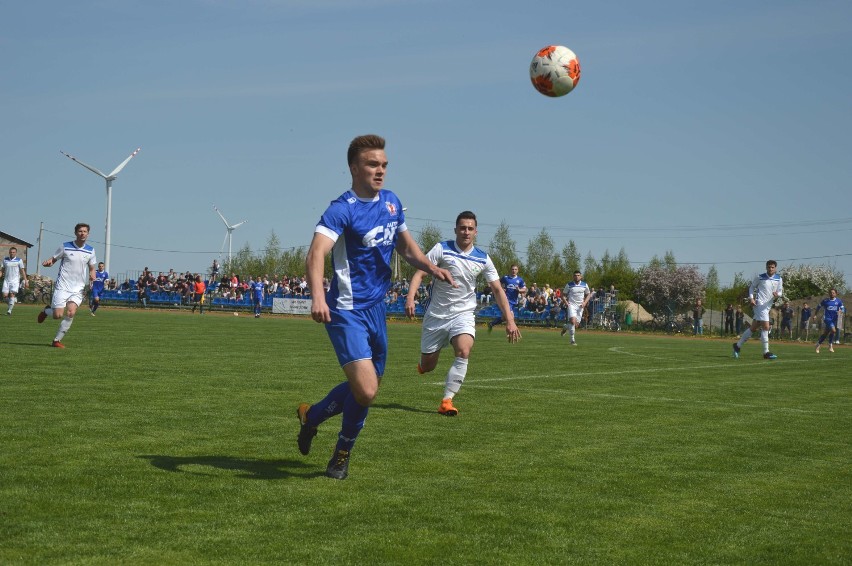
[
  {"x": 513, "y": 285},
  {"x": 832, "y": 309},
  {"x": 101, "y": 277},
  {"x": 257, "y": 290},
  {"x": 364, "y": 232}
]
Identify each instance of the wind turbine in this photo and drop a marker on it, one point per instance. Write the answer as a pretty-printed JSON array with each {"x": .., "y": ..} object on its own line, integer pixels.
[
  {"x": 109, "y": 179},
  {"x": 228, "y": 235}
]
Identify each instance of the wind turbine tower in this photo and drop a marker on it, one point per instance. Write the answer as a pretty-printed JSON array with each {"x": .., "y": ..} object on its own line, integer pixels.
[
  {"x": 109, "y": 179},
  {"x": 228, "y": 234}
]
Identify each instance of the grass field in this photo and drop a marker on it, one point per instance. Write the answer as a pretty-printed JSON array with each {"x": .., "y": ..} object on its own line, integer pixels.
[{"x": 167, "y": 438}]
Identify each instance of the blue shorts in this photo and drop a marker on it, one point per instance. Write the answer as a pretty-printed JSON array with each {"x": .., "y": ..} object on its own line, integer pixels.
[
  {"x": 829, "y": 324},
  {"x": 96, "y": 294},
  {"x": 360, "y": 335}
]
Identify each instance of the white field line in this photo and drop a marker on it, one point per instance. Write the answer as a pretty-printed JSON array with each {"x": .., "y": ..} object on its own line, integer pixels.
[{"x": 485, "y": 384}]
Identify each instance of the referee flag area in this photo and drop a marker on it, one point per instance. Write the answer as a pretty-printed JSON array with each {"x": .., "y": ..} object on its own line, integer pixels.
[{"x": 159, "y": 437}]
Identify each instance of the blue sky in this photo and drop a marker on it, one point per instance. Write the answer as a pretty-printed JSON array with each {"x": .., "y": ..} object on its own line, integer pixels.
[{"x": 719, "y": 131}]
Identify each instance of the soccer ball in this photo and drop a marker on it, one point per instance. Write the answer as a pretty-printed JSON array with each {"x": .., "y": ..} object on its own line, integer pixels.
[
  {"x": 555, "y": 71},
  {"x": 236, "y": 314}
]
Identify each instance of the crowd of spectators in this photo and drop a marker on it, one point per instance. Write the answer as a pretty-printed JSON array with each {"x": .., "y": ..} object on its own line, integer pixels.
[{"x": 232, "y": 286}]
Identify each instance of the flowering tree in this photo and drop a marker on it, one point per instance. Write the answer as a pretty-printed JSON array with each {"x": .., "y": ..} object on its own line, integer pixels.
[
  {"x": 801, "y": 281},
  {"x": 660, "y": 287}
]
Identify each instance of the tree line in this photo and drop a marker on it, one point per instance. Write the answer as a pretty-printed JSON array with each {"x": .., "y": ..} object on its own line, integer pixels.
[{"x": 660, "y": 284}]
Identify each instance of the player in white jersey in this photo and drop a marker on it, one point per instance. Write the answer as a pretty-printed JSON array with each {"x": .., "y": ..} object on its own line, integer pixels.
[
  {"x": 14, "y": 277},
  {"x": 76, "y": 269},
  {"x": 575, "y": 297},
  {"x": 762, "y": 292},
  {"x": 449, "y": 318}
]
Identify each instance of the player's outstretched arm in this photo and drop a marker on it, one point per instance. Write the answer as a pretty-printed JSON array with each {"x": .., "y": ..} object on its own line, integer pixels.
[
  {"x": 513, "y": 334},
  {"x": 413, "y": 287},
  {"x": 321, "y": 246},
  {"x": 408, "y": 249}
]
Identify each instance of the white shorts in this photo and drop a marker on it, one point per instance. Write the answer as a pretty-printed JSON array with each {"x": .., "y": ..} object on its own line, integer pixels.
[
  {"x": 575, "y": 312},
  {"x": 761, "y": 312},
  {"x": 61, "y": 298},
  {"x": 437, "y": 332},
  {"x": 10, "y": 287}
]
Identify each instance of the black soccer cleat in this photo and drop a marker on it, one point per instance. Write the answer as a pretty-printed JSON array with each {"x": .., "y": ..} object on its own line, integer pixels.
[
  {"x": 306, "y": 431},
  {"x": 338, "y": 466},
  {"x": 736, "y": 350},
  {"x": 769, "y": 356}
]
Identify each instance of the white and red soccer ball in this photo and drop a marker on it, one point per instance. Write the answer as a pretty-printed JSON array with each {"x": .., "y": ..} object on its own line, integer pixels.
[{"x": 555, "y": 71}]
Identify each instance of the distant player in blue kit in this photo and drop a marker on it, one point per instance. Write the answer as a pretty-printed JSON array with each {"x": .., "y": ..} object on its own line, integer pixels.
[
  {"x": 360, "y": 229},
  {"x": 764, "y": 289},
  {"x": 98, "y": 285},
  {"x": 256, "y": 290},
  {"x": 515, "y": 287},
  {"x": 832, "y": 307}
]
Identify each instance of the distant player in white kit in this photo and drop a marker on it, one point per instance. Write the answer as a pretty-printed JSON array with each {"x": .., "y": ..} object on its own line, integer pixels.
[
  {"x": 449, "y": 318},
  {"x": 575, "y": 297},
  {"x": 762, "y": 293},
  {"x": 14, "y": 277},
  {"x": 76, "y": 269}
]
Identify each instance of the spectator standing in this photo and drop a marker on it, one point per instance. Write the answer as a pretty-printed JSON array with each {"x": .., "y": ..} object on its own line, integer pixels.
[
  {"x": 198, "y": 289},
  {"x": 739, "y": 316},
  {"x": 698, "y": 318},
  {"x": 787, "y": 313},
  {"x": 805, "y": 321},
  {"x": 729, "y": 318}
]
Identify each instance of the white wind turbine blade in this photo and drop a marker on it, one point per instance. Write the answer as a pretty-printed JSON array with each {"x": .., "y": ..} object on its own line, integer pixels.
[
  {"x": 238, "y": 224},
  {"x": 89, "y": 167},
  {"x": 228, "y": 226},
  {"x": 123, "y": 163}
]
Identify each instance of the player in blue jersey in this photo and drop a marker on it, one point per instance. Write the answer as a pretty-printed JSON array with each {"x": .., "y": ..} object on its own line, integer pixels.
[
  {"x": 360, "y": 229},
  {"x": 762, "y": 292},
  {"x": 515, "y": 287},
  {"x": 832, "y": 307},
  {"x": 256, "y": 290},
  {"x": 14, "y": 277},
  {"x": 449, "y": 319},
  {"x": 76, "y": 268},
  {"x": 98, "y": 286}
]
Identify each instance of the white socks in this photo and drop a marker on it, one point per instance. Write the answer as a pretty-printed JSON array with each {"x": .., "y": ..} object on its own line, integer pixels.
[
  {"x": 455, "y": 377},
  {"x": 571, "y": 329},
  {"x": 63, "y": 328},
  {"x": 746, "y": 335},
  {"x": 764, "y": 339}
]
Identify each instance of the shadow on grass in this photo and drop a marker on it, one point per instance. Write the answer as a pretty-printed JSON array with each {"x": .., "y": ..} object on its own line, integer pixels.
[
  {"x": 398, "y": 407},
  {"x": 250, "y": 468}
]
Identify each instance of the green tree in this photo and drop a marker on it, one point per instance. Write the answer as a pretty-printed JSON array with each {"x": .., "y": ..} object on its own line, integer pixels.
[
  {"x": 502, "y": 249},
  {"x": 571, "y": 260},
  {"x": 428, "y": 237},
  {"x": 540, "y": 254}
]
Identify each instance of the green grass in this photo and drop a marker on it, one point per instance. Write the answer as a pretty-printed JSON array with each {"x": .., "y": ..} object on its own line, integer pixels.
[{"x": 166, "y": 438}]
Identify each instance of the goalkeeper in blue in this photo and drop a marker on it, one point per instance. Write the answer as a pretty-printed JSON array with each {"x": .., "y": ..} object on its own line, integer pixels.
[
  {"x": 832, "y": 307},
  {"x": 762, "y": 292}
]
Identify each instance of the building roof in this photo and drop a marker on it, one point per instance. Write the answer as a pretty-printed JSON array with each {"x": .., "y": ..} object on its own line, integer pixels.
[{"x": 12, "y": 238}]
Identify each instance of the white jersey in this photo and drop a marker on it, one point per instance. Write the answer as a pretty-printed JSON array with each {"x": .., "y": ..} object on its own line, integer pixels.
[
  {"x": 763, "y": 287},
  {"x": 74, "y": 267},
  {"x": 446, "y": 301},
  {"x": 12, "y": 270},
  {"x": 576, "y": 293}
]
